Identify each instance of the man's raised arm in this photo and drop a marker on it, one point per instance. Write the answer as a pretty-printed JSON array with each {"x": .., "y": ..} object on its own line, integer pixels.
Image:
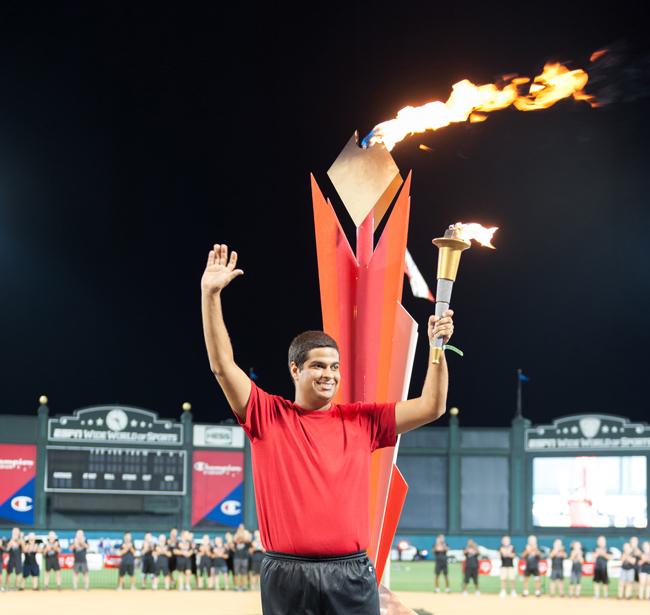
[
  {"x": 431, "y": 404},
  {"x": 219, "y": 272}
]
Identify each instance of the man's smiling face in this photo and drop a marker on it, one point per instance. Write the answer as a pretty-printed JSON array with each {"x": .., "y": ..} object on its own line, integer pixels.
[{"x": 318, "y": 380}]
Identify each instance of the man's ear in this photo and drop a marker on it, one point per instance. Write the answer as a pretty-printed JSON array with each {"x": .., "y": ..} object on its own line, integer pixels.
[{"x": 295, "y": 371}]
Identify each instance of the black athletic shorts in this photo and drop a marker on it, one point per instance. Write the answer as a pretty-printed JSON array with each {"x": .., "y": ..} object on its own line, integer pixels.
[
  {"x": 52, "y": 563},
  {"x": 531, "y": 571},
  {"x": 205, "y": 565},
  {"x": 441, "y": 567},
  {"x": 162, "y": 565},
  {"x": 15, "y": 565},
  {"x": 600, "y": 576},
  {"x": 183, "y": 563},
  {"x": 337, "y": 585},
  {"x": 127, "y": 568},
  {"x": 148, "y": 566},
  {"x": 557, "y": 574},
  {"x": 471, "y": 573},
  {"x": 31, "y": 570}
]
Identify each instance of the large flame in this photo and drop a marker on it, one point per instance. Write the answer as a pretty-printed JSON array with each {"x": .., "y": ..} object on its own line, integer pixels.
[
  {"x": 469, "y": 100},
  {"x": 474, "y": 231}
]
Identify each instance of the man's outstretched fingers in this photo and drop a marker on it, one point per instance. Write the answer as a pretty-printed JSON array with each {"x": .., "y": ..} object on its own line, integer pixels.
[
  {"x": 224, "y": 255},
  {"x": 233, "y": 260},
  {"x": 210, "y": 259}
]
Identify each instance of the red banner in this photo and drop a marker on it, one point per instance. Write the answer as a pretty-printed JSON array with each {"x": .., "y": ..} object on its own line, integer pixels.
[
  {"x": 217, "y": 487},
  {"x": 543, "y": 566},
  {"x": 17, "y": 482},
  {"x": 112, "y": 561}
]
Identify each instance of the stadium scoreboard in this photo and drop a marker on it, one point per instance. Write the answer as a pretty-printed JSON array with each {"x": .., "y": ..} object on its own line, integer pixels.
[{"x": 115, "y": 470}]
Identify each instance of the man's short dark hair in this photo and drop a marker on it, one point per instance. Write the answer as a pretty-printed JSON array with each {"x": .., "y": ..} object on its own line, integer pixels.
[{"x": 307, "y": 341}]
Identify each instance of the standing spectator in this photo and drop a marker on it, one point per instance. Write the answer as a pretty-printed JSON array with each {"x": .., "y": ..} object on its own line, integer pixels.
[
  {"x": 220, "y": 557},
  {"x": 471, "y": 566},
  {"x": 79, "y": 547},
  {"x": 127, "y": 563},
  {"x": 644, "y": 571},
  {"x": 172, "y": 543},
  {"x": 51, "y": 550},
  {"x": 148, "y": 564},
  {"x": 577, "y": 559},
  {"x": 15, "y": 547},
  {"x": 163, "y": 555},
  {"x": 240, "y": 557},
  {"x": 229, "y": 544},
  {"x": 626, "y": 580},
  {"x": 205, "y": 562},
  {"x": 257, "y": 552},
  {"x": 184, "y": 553},
  {"x": 440, "y": 549},
  {"x": 557, "y": 557},
  {"x": 603, "y": 554},
  {"x": 634, "y": 544},
  {"x": 508, "y": 572},
  {"x": 532, "y": 554},
  {"x": 30, "y": 565}
]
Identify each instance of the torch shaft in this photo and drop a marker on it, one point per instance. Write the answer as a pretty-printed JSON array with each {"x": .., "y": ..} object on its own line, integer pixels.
[{"x": 443, "y": 299}]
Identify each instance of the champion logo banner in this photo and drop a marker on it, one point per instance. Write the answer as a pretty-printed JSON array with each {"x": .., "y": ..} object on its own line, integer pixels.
[
  {"x": 217, "y": 487},
  {"x": 17, "y": 482}
]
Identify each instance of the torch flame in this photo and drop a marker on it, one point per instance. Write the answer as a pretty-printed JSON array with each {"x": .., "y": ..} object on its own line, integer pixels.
[
  {"x": 469, "y": 100},
  {"x": 474, "y": 231}
]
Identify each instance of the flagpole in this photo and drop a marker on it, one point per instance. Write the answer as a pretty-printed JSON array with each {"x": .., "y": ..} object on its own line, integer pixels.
[{"x": 519, "y": 372}]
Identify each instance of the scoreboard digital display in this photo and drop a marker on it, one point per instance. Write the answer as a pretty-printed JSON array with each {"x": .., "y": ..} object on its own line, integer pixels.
[{"x": 115, "y": 470}]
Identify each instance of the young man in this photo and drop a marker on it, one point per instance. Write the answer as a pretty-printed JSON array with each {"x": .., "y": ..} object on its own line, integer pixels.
[
  {"x": 508, "y": 572},
  {"x": 205, "y": 562},
  {"x": 603, "y": 554},
  {"x": 30, "y": 565},
  {"x": 240, "y": 559},
  {"x": 220, "y": 562},
  {"x": 51, "y": 550},
  {"x": 184, "y": 553},
  {"x": 471, "y": 566},
  {"x": 172, "y": 543},
  {"x": 626, "y": 579},
  {"x": 311, "y": 460},
  {"x": 127, "y": 563},
  {"x": 532, "y": 555},
  {"x": 440, "y": 551},
  {"x": 163, "y": 555}
]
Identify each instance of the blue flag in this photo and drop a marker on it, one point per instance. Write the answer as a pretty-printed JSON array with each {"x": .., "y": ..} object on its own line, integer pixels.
[{"x": 523, "y": 378}]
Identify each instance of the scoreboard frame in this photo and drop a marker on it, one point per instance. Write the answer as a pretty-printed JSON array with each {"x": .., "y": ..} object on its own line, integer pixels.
[{"x": 148, "y": 451}]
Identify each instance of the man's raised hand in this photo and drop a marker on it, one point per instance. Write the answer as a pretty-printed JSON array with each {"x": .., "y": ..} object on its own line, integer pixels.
[{"x": 220, "y": 270}]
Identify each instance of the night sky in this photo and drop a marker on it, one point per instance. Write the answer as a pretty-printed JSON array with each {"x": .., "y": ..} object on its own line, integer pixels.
[{"x": 135, "y": 135}]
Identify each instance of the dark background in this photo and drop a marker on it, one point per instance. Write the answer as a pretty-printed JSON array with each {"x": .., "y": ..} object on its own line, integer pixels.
[{"x": 135, "y": 135}]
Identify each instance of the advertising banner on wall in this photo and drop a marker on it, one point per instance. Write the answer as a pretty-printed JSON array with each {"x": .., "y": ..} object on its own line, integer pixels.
[
  {"x": 217, "y": 487},
  {"x": 17, "y": 482}
]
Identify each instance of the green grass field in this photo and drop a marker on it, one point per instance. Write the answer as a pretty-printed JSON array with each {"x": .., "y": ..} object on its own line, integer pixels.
[
  {"x": 405, "y": 576},
  {"x": 418, "y": 576}
]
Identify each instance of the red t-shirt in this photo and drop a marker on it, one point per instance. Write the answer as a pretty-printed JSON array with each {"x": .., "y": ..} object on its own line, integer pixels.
[{"x": 312, "y": 472}]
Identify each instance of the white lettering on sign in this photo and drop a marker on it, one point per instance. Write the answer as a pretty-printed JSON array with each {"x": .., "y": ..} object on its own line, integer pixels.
[
  {"x": 90, "y": 475},
  {"x": 62, "y": 475},
  {"x": 129, "y": 477},
  {"x": 14, "y": 464},
  {"x": 109, "y": 476},
  {"x": 206, "y": 469},
  {"x": 169, "y": 478},
  {"x": 146, "y": 477}
]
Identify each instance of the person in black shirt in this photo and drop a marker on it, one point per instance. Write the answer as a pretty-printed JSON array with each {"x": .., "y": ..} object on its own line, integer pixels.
[
  {"x": 205, "y": 562},
  {"x": 532, "y": 554},
  {"x": 163, "y": 554},
  {"x": 240, "y": 558},
  {"x": 193, "y": 561},
  {"x": 51, "y": 550},
  {"x": 127, "y": 563},
  {"x": 79, "y": 548},
  {"x": 219, "y": 562},
  {"x": 557, "y": 557},
  {"x": 439, "y": 550},
  {"x": 257, "y": 555},
  {"x": 644, "y": 571},
  {"x": 229, "y": 545},
  {"x": 508, "y": 573},
  {"x": 184, "y": 553},
  {"x": 148, "y": 564},
  {"x": 30, "y": 565},
  {"x": 471, "y": 566},
  {"x": 626, "y": 580},
  {"x": 636, "y": 551},
  {"x": 576, "y": 557},
  {"x": 172, "y": 543},
  {"x": 603, "y": 554},
  {"x": 15, "y": 547}
]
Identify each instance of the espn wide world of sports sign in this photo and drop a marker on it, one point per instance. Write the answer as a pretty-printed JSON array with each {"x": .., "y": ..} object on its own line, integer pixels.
[{"x": 592, "y": 432}]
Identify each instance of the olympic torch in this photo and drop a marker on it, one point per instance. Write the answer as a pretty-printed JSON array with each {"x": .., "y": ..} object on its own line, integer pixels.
[{"x": 456, "y": 239}]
